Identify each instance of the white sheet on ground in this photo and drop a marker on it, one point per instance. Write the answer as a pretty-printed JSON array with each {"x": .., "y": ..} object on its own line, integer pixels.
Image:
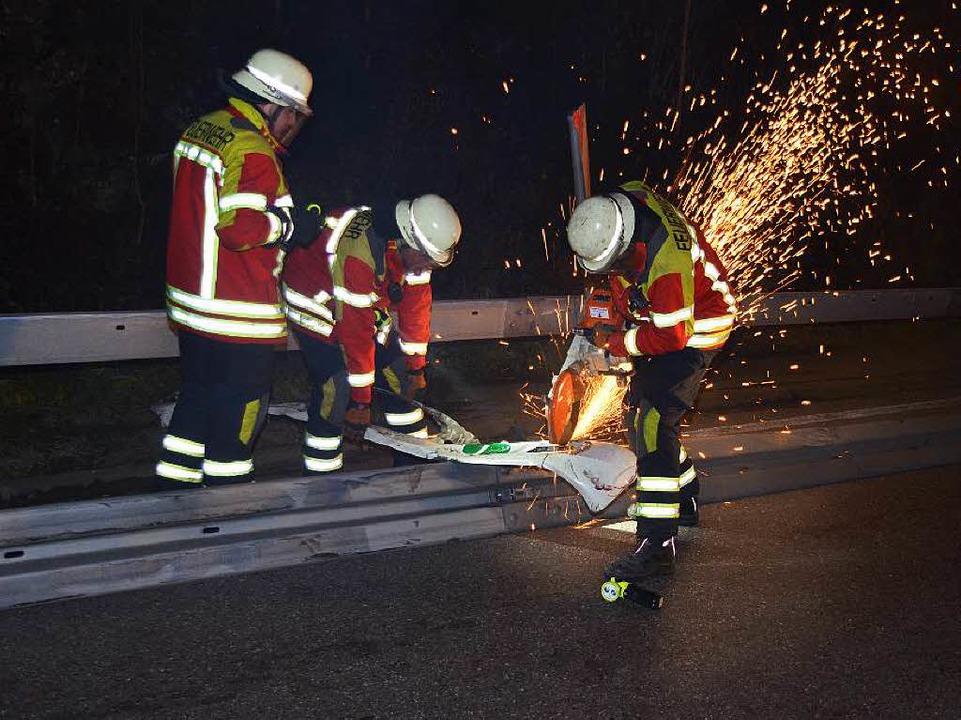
[{"x": 599, "y": 471}]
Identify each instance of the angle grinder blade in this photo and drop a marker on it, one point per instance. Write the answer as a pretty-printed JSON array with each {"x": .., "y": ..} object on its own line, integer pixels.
[{"x": 563, "y": 406}]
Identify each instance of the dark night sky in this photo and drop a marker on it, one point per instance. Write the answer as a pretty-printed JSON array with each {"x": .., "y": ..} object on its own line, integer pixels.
[{"x": 102, "y": 89}]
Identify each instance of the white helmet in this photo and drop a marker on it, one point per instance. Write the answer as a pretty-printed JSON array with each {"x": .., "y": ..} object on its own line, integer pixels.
[
  {"x": 277, "y": 78},
  {"x": 600, "y": 230},
  {"x": 430, "y": 224}
]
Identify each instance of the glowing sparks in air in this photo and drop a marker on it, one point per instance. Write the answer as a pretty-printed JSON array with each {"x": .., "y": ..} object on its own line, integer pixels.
[
  {"x": 600, "y": 408},
  {"x": 795, "y": 166},
  {"x": 817, "y": 136}
]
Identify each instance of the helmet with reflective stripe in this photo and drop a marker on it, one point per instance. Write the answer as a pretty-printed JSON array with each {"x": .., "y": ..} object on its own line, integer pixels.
[
  {"x": 277, "y": 78},
  {"x": 600, "y": 230},
  {"x": 430, "y": 224}
]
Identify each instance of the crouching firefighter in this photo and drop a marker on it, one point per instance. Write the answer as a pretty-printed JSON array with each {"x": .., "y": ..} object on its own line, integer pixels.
[
  {"x": 339, "y": 293},
  {"x": 672, "y": 288},
  {"x": 231, "y": 220}
]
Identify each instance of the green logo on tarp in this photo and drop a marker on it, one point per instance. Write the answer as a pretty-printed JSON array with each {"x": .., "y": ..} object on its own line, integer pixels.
[{"x": 498, "y": 448}]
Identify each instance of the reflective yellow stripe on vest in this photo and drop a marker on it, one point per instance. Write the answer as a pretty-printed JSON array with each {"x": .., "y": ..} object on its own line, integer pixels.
[
  {"x": 709, "y": 325},
  {"x": 666, "y": 320},
  {"x": 200, "y": 156},
  {"x": 339, "y": 227}
]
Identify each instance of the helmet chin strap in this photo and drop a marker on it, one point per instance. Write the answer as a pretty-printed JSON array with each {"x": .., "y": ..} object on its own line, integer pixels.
[
  {"x": 288, "y": 137},
  {"x": 272, "y": 124}
]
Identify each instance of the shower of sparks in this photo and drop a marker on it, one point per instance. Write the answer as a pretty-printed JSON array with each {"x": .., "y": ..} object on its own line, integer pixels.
[
  {"x": 797, "y": 163},
  {"x": 812, "y": 146},
  {"x": 600, "y": 415}
]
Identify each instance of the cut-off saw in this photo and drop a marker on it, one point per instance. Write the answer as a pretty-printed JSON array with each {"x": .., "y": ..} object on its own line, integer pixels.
[{"x": 584, "y": 360}]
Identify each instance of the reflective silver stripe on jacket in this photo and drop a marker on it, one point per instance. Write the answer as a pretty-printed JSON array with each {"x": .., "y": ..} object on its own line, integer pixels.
[
  {"x": 315, "y": 305},
  {"x": 666, "y": 320},
  {"x": 235, "y": 308},
  {"x": 220, "y": 326},
  {"x": 243, "y": 201},
  {"x": 420, "y": 278},
  {"x": 309, "y": 322},
  {"x": 353, "y": 299}
]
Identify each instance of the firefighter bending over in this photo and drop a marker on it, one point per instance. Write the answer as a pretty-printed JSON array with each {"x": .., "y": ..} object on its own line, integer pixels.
[
  {"x": 230, "y": 223},
  {"x": 668, "y": 281},
  {"x": 339, "y": 293}
]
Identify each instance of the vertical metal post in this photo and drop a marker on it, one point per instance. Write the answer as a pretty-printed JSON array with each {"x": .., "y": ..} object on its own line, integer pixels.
[{"x": 580, "y": 156}]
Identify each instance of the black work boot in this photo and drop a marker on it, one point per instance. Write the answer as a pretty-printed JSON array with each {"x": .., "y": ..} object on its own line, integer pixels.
[
  {"x": 652, "y": 557},
  {"x": 689, "y": 514}
]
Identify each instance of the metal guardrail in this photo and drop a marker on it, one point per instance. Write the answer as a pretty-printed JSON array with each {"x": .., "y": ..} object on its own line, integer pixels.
[
  {"x": 94, "y": 547},
  {"x": 47, "y": 339}
]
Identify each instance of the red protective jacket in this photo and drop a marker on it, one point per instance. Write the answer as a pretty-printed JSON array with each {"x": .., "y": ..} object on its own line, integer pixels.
[
  {"x": 675, "y": 290},
  {"x": 341, "y": 289},
  {"x": 222, "y": 265},
  {"x": 409, "y": 295},
  {"x": 331, "y": 287}
]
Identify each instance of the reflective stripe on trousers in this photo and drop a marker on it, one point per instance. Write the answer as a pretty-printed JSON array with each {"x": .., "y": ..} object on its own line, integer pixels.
[
  {"x": 323, "y": 453},
  {"x": 329, "y": 395},
  {"x": 220, "y": 409},
  {"x": 663, "y": 389},
  {"x": 400, "y": 414}
]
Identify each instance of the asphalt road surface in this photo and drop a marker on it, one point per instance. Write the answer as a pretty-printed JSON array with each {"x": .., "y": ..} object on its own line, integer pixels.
[{"x": 839, "y": 601}]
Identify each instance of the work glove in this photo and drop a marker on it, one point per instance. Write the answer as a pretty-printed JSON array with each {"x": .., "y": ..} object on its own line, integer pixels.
[
  {"x": 599, "y": 337},
  {"x": 395, "y": 292},
  {"x": 299, "y": 225},
  {"x": 356, "y": 420},
  {"x": 308, "y": 223},
  {"x": 416, "y": 383}
]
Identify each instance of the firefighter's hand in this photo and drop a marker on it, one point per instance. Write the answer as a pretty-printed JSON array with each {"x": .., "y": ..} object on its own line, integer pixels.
[
  {"x": 598, "y": 337},
  {"x": 356, "y": 420},
  {"x": 308, "y": 222},
  {"x": 416, "y": 383}
]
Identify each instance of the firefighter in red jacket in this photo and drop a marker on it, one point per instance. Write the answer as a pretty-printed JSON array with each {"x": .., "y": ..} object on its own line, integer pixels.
[
  {"x": 231, "y": 220},
  {"x": 669, "y": 282},
  {"x": 338, "y": 293}
]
